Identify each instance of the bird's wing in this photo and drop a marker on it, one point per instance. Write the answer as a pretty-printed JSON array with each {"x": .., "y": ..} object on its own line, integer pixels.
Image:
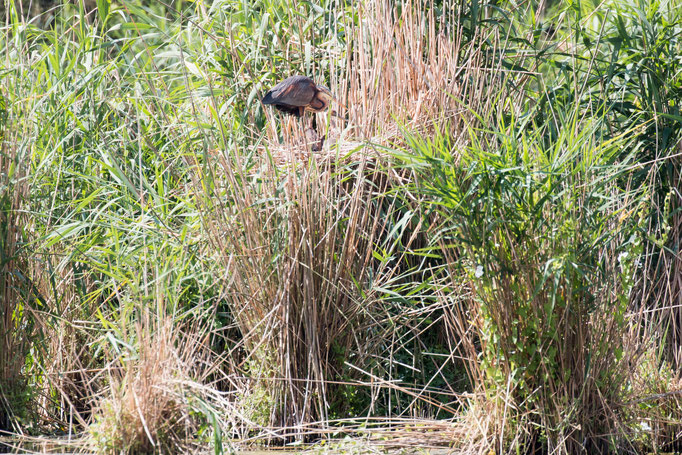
[
  {"x": 295, "y": 91},
  {"x": 268, "y": 98}
]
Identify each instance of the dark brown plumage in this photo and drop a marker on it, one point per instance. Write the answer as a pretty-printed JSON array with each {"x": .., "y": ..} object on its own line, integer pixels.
[{"x": 298, "y": 94}]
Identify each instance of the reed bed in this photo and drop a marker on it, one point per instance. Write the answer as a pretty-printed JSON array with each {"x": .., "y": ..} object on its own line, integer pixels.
[{"x": 483, "y": 257}]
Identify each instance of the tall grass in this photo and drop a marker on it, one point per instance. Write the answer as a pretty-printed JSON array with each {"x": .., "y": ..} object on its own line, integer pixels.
[
  {"x": 126, "y": 190},
  {"x": 184, "y": 270},
  {"x": 311, "y": 252},
  {"x": 548, "y": 239},
  {"x": 102, "y": 212},
  {"x": 16, "y": 328},
  {"x": 548, "y": 211},
  {"x": 303, "y": 283}
]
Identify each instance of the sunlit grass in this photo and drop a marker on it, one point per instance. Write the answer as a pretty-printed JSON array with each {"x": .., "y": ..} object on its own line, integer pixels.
[{"x": 489, "y": 235}]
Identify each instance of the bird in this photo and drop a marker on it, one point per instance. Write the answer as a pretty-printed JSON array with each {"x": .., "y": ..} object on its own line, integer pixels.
[
  {"x": 313, "y": 138},
  {"x": 297, "y": 94}
]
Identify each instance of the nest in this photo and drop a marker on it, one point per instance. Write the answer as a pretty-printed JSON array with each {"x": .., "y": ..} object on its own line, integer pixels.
[{"x": 334, "y": 139}]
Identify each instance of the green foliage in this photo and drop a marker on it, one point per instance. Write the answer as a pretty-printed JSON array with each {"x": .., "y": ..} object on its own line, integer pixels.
[
  {"x": 17, "y": 328},
  {"x": 135, "y": 186},
  {"x": 259, "y": 400},
  {"x": 549, "y": 236}
]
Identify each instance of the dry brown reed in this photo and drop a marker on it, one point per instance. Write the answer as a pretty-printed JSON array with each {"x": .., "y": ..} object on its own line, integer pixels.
[
  {"x": 408, "y": 68},
  {"x": 302, "y": 283},
  {"x": 403, "y": 69},
  {"x": 296, "y": 238},
  {"x": 662, "y": 288},
  {"x": 654, "y": 405},
  {"x": 146, "y": 408}
]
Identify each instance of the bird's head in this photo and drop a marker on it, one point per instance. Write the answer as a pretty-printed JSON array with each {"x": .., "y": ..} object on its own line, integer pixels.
[
  {"x": 325, "y": 95},
  {"x": 320, "y": 102}
]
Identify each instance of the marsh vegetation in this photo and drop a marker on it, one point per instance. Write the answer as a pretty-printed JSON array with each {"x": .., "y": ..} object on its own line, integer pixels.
[{"x": 484, "y": 256}]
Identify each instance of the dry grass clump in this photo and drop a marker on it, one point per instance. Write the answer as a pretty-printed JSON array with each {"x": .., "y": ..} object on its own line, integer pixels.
[
  {"x": 72, "y": 367},
  {"x": 306, "y": 250},
  {"x": 303, "y": 283},
  {"x": 147, "y": 409},
  {"x": 486, "y": 425},
  {"x": 301, "y": 253}
]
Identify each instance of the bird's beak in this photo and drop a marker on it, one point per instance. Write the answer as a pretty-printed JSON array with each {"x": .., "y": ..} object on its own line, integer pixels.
[
  {"x": 339, "y": 102},
  {"x": 335, "y": 114},
  {"x": 336, "y": 100}
]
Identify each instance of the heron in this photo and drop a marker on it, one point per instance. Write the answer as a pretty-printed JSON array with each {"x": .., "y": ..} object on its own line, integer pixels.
[{"x": 297, "y": 94}]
